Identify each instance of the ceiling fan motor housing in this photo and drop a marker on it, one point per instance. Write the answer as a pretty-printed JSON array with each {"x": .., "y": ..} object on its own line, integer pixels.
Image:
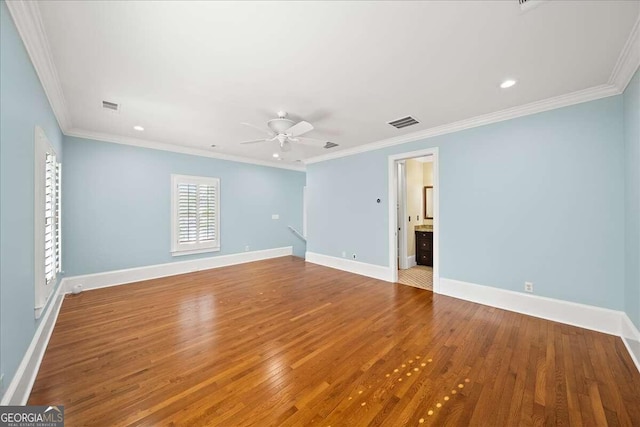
[
  {"x": 285, "y": 131},
  {"x": 279, "y": 126}
]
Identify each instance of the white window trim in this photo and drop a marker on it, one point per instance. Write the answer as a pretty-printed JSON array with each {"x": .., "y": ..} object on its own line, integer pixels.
[
  {"x": 196, "y": 248},
  {"x": 43, "y": 288}
]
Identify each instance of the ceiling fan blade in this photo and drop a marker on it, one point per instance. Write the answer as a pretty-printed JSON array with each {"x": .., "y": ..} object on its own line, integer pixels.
[
  {"x": 253, "y": 141},
  {"x": 300, "y": 128},
  {"x": 268, "y": 132}
]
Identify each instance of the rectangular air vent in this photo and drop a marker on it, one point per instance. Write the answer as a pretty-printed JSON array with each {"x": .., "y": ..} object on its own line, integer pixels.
[
  {"x": 110, "y": 106},
  {"x": 330, "y": 144},
  {"x": 404, "y": 122},
  {"x": 526, "y": 5}
]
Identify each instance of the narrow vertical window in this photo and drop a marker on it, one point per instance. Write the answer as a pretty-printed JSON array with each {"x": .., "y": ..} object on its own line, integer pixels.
[
  {"x": 50, "y": 210},
  {"x": 48, "y": 220},
  {"x": 58, "y": 218}
]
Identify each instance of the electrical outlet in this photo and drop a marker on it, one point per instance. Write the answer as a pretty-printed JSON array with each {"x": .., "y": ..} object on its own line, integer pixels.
[
  {"x": 246, "y": 248},
  {"x": 528, "y": 286},
  {"x": 353, "y": 256},
  {"x": 275, "y": 216},
  {"x": 344, "y": 254}
]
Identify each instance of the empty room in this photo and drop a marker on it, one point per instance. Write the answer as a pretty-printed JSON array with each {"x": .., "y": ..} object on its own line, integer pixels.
[{"x": 328, "y": 213}]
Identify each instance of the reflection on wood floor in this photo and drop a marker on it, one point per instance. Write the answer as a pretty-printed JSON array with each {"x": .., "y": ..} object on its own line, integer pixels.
[{"x": 282, "y": 342}]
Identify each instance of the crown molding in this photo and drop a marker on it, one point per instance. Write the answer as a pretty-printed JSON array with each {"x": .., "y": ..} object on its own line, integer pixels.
[
  {"x": 28, "y": 21},
  {"x": 578, "y": 97},
  {"x": 626, "y": 65},
  {"x": 154, "y": 145},
  {"x": 628, "y": 61},
  {"x": 26, "y": 15}
]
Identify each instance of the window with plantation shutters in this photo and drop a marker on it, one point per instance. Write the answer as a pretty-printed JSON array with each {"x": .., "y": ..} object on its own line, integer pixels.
[
  {"x": 195, "y": 214},
  {"x": 50, "y": 234},
  {"x": 58, "y": 218},
  {"x": 48, "y": 224}
]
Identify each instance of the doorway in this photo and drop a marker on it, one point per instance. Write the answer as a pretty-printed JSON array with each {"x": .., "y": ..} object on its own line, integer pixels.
[
  {"x": 414, "y": 218},
  {"x": 401, "y": 240}
]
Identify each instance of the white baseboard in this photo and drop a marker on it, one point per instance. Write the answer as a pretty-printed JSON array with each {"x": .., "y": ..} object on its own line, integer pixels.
[
  {"x": 130, "y": 275},
  {"x": 631, "y": 338},
  {"x": 19, "y": 388},
  {"x": 411, "y": 261},
  {"x": 356, "y": 267},
  {"x": 571, "y": 313},
  {"x": 581, "y": 315}
]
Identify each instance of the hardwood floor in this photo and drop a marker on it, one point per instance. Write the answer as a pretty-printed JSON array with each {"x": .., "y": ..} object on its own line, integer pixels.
[{"x": 281, "y": 342}]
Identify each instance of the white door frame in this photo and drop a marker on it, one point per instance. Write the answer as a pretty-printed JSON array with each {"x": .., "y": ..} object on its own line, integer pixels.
[
  {"x": 393, "y": 216},
  {"x": 401, "y": 212}
]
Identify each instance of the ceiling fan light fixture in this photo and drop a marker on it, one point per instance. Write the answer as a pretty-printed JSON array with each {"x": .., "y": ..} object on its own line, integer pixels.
[
  {"x": 285, "y": 146},
  {"x": 286, "y": 132}
]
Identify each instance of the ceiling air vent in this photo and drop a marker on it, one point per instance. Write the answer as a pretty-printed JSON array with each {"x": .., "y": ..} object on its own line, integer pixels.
[
  {"x": 330, "y": 144},
  {"x": 110, "y": 106},
  {"x": 404, "y": 122},
  {"x": 527, "y": 5}
]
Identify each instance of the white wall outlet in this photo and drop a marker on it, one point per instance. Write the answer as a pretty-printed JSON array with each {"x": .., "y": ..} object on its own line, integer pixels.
[
  {"x": 275, "y": 216},
  {"x": 353, "y": 256},
  {"x": 528, "y": 286},
  {"x": 344, "y": 254},
  {"x": 246, "y": 248}
]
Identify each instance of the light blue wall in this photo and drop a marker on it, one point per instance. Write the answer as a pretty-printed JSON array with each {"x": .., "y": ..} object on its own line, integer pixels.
[
  {"x": 23, "y": 105},
  {"x": 632, "y": 198},
  {"x": 538, "y": 198},
  {"x": 117, "y": 205}
]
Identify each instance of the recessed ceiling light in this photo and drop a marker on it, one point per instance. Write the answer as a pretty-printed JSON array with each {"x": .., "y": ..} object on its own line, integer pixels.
[
  {"x": 138, "y": 128},
  {"x": 507, "y": 84},
  {"x": 276, "y": 155}
]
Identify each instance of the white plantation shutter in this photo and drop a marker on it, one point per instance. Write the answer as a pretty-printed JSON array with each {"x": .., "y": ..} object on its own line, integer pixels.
[
  {"x": 58, "y": 218},
  {"x": 47, "y": 219},
  {"x": 52, "y": 227},
  {"x": 195, "y": 214},
  {"x": 187, "y": 213},
  {"x": 207, "y": 212}
]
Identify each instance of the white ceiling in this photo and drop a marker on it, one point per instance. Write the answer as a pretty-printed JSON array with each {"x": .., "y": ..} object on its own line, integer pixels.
[{"x": 190, "y": 72}]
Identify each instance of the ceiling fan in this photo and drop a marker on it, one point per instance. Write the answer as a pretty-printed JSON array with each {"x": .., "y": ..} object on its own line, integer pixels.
[{"x": 286, "y": 131}]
